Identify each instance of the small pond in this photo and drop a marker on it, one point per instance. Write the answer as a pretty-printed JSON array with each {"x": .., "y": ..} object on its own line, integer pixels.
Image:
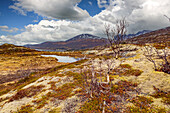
[{"x": 65, "y": 59}]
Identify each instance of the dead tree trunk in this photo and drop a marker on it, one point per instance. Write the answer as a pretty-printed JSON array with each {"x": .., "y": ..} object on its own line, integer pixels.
[{"x": 116, "y": 36}]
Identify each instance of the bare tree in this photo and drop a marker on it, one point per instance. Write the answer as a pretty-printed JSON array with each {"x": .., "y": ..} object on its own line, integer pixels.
[
  {"x": 151, "y": 53},
  {"x": 94, "y": 87},
  {"x": 163, "y": 54},
  {"x": 148, "y": 53},
  {"x": 167, "y": 17},
  {"x": 116, "y": 36}
]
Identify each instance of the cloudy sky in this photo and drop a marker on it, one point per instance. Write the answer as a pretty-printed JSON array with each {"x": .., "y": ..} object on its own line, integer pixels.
[{"x": 36, "y": 21}]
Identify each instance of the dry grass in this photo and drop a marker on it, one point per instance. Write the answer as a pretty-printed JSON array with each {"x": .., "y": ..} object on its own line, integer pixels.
[
  {"x": 29, "y": 92},
  {"x": 17, "y": 85},
  {"x": 20, "y": 65}
]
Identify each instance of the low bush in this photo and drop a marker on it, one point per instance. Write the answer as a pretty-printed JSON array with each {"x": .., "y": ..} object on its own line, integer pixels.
[{"x": 127, "y": 70}]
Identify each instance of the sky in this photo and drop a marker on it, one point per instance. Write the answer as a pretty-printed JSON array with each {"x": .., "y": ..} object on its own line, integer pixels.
[{"x": 36, "y": 21}]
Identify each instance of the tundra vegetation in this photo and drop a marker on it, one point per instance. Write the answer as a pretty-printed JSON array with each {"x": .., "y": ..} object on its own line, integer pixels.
[{"x": 121, "y": 78}]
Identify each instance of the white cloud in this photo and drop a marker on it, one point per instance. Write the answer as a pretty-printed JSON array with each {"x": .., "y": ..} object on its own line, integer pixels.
[
  {"x": 141, "y": 15},
  {"x": 3, "y": 27},
  {"x": 103, "y": 3},
  {"x": 50, "y": 30},
  {"x": 21, "y": 11},
  {"x": 90, "y": 3},
  {"x": 35, "y": 21},
  {"x": 6, "y": 28},
  {"x": 10, "y": 30},
  {"x": 56, "y": 9}
]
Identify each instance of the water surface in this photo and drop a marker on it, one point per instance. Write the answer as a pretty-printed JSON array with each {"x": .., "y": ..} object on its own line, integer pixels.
[{"x": 65, "y": 59}]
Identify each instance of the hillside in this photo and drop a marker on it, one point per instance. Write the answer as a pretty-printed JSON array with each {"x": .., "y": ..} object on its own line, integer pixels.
[
  {"x": 10, "y": 48},
  {"x": 153, "y": 36},
  {"x": 135, "y": 86},
  {"x": 82, "y": 41}
]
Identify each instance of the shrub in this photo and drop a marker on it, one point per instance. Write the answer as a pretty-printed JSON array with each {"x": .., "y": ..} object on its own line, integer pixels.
[{"x": 127, "y": 70}]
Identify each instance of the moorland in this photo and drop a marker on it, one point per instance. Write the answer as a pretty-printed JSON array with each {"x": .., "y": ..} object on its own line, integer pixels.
[{"x": 99, "y": 82}]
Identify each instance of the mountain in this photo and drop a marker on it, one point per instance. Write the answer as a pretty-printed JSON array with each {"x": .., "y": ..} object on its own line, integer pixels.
[
  {"x": 83, "y": 41},
  {"x": 138, "y": 33},
  {"x": 84, "y": 36},
  {"x": 152, "y": 36}
]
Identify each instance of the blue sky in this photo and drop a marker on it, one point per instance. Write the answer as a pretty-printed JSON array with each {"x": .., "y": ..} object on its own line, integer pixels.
[
  {"x": 13, "y": 19},
  {"x": 36, "y": 21}
]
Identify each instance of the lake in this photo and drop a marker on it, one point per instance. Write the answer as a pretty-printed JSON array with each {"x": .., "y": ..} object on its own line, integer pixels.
[
  {"x": 65, "y": 59},
  {"x": 57, "y": 50}
]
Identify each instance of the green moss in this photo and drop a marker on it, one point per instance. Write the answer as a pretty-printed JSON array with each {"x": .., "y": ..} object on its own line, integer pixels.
[
  {"x": 62, "y": 92},
  {"x": 133, "y": 72},
  {"x": 70, "y": 65},
  {"x": 65, "y": 90},
  {"x": 159, "y": 46},
  {"x": 145, "y": 110},
  {"x": 23, "y": 82},
  {"x": 77, "y": 77},
  {"x": 41, "y": 102},
  {"x": 80, "y": 61},
  {"x": 125, "y": 66},
  {"x": 26, "y": 109},
  {"x": 107, "y": 56},
  {"x": 91, "y": 106},
  {"x": 53, "y": 86},
  {"x": 144, "y": 105},
  {"x": 141, "y": 101},
  {"x": 166, "y": 100},
  {"x": 56, "y": 110},
  {"x": 4, "y": 91}
]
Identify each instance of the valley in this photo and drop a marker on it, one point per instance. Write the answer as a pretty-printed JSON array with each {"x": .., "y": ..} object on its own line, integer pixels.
[{"x": 33, "y": 82}]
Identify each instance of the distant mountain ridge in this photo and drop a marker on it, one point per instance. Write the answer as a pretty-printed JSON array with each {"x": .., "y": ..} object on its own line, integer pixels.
[
  {"x": 153, "y": 36},
  {"x": 84, "y": 36},
  {"x": 83, "y": 41},
  {"x": 138, "y": 33}
]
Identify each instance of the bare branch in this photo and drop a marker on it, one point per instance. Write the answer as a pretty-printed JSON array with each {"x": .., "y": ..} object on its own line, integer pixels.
[
  {"x": 167, "y": 17},
  {"x": 116, "y": 36}
]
